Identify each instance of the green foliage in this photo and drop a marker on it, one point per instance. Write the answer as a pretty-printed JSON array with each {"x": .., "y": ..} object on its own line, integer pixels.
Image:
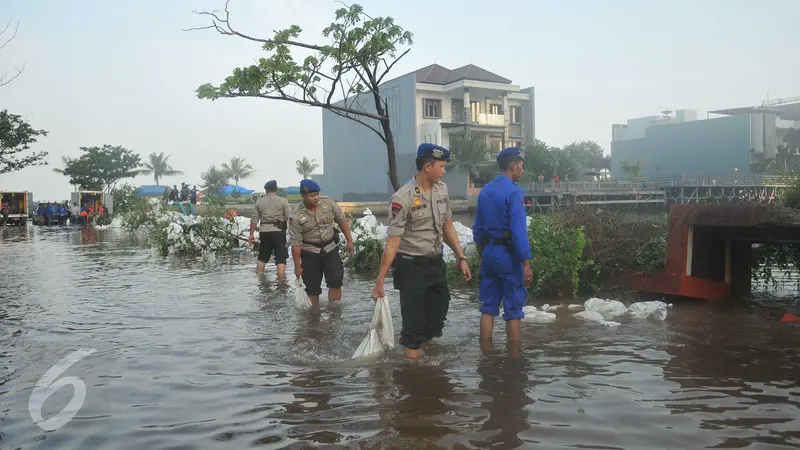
[
  {"x": 557, "y": 256},
  {"x": 359, "y": 53},
  {"x": 471, "y": 154},
  {"x": 368, "y": 251},
  {"x": 125, "y": 199},
  {"x": 771, "y": 257},
  {"x": 238, "y": 169},
  {"x": 158, "y": 166},
  {"x": 305, "y": 167},
  {"x": 213, "y": 180},
  {"x": 17, "y": 136},
  {"x": 633, "y": 170},
  {"x": 454, "y": 276},
  {"x": 101, "y": 168}
]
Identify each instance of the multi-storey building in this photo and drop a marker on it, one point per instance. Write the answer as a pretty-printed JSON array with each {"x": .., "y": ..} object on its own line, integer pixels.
[{"x": 428, "y": 105}]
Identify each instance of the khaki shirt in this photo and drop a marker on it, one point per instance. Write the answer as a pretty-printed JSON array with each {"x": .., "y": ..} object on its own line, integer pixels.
[
  {"x": 315, "y": 227},
  {"x": 271, "y": 208},
  {"x": 418, "y": 218}
]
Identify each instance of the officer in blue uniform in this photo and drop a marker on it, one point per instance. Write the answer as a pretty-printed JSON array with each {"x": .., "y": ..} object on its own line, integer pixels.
[{"x": 500, "y": 231}]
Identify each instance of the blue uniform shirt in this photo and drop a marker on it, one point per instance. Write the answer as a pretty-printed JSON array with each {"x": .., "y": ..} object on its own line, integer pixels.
[
  {"x": 51, "y": 210},
  {"x": 500, "y": 214}
]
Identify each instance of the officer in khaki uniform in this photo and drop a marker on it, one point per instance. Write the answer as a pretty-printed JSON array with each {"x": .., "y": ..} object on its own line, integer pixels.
[
  {"x": 419, "y": 221},
  {"x": 273, "y": 212},
  {"x": 315, "y": 243}
]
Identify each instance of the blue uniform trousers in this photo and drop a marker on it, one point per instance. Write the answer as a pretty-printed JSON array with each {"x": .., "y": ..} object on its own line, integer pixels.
[{"x": 501, "y": 278}]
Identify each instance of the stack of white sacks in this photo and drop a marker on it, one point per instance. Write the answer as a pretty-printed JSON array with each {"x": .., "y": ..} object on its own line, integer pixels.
[
  {"x": 599, "y": 311},
  {"x": 179, "y": 240}
]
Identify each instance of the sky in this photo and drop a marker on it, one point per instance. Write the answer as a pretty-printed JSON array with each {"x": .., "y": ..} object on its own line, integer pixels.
[{"x": 124, "y": 73}]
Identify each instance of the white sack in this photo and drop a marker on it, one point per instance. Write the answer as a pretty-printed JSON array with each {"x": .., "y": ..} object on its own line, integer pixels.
[
  {"x": 609, "y": 309},
  {"x": 649, "y": 310},
  {"x": 301, "y": 300},
  {"x": 549, "y": 308},
  {"x": 381, "y": 331},
  {"x": 539, "y": 317},
  {"x": 575, "y": 307},
  {"x": 593, "y": 316},
  {"x": 529, "y": 309}
]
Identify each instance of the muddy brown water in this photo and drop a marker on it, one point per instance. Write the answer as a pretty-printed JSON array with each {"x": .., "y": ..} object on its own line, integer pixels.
[{"x": 203, "y": 354}]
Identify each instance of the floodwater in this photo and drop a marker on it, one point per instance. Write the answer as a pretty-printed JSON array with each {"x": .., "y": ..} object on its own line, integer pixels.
[{"x": 203, "y": 354}]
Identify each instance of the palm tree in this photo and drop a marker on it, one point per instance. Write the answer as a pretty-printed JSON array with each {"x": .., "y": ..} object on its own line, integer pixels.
[
  {"x": 306, "y": 167},
  {"x": 214, "y": 179},
  {"x": 238, "y": 170},
  {"x": 159, "y": 167},
  {"x": 471, "y": 154},
  {"x": 66, "y": 162},
  {"x": 633, "y": 170}
]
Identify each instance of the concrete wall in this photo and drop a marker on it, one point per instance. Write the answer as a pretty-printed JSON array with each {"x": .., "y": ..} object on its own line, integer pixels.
[
  {"x": 354, "y": 161},
  {"x": 705, "y": 146},
  {"x": 529, "y": 116}
]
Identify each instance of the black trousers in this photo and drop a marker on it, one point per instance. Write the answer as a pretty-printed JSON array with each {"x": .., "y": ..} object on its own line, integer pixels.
[
  {"x": 424, "y": 298},
  {"x": 315, "y": 265},
  {"x": 272, "y": 241}
]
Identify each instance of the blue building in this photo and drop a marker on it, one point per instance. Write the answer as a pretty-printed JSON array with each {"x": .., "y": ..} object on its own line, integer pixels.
[{"x": 682, "y": 144}]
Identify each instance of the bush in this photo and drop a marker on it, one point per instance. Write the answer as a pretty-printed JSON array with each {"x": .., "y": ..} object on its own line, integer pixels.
[{"x": 125, "y": 198}]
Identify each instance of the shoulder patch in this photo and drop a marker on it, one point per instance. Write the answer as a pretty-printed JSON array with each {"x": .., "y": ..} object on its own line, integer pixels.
[{"x": 396, "y": 208}]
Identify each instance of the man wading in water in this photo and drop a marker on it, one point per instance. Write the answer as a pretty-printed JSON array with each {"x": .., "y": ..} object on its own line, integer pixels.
[
  {"x": 273, "y": 212},
  {"x": 315, "y": 243},
  {"x": 419, "y": 221}
]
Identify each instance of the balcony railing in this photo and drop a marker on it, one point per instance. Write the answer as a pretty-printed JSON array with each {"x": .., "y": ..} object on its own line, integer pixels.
[{"x": 492, "y": 120}]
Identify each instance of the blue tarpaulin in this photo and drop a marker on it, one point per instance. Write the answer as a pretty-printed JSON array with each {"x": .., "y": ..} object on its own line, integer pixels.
[
  {"x": 228, "y": 190},
  {"x": 151, "y": 190}
]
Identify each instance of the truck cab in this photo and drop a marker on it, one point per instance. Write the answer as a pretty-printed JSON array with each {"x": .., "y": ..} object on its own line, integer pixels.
[{"x": 18, "y": 204}]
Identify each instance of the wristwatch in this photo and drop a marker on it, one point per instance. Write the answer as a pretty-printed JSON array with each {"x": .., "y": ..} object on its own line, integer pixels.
[{"x": 463, "y": 258}]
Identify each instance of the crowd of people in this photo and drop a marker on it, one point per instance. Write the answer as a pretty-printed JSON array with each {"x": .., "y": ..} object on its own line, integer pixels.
[
  {"x": 420, "y": 224},
  {"x": 182, "y": 196},
  {"x": 55, "y": 213}
]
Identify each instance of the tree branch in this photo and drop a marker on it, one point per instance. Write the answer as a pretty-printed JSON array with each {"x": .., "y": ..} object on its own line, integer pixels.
[
  {"x": 3, "y": 79},
  {"x": 389, "y": 66}
]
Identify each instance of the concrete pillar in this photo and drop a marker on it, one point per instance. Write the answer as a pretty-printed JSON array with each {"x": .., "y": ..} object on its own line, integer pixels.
[
  {"x": 467, "y": 106},
  {"x": 506, "y": 119}
]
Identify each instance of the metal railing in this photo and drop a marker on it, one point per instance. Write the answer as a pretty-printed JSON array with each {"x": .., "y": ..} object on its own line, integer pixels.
[
  {"x": 496, "y": 120},
  {"x": 662, "y": 182}
]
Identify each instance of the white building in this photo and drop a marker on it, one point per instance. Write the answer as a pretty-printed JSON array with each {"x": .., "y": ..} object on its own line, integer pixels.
[{"x": 428, "y": 105}]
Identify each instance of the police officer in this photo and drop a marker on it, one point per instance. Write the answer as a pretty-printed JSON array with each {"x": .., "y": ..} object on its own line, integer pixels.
[
  {"x": 273, "y": 212},
  {"x": 500, "y": 231},
  {"x": 315, "y": 243},
  {"x": 419, "y": 221}
]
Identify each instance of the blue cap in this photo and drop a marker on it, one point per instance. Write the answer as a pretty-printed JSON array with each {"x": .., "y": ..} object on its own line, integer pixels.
[
  {"x": 511, "y": 153},
  {"x": 271, "y": 184},
  {"x": 433, "y": 151},
  {"x": 307, "y": 186}
]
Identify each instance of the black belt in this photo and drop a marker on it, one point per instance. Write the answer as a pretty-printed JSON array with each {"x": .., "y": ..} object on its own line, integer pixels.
[
  {"x": 320, "y": 246},
  {"x": 500, "y": 241},
  {"x": 428, "y": 259}
]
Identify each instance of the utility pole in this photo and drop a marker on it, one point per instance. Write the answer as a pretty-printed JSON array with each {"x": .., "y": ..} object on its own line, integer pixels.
[{"x": 658, "y": 173}]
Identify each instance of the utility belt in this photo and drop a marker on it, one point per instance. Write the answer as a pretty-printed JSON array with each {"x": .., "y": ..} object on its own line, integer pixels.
[
  {"x": 281, "y": 224},
  {"x": 504, "y": 241},
  {"x": 429, "y": 260}
]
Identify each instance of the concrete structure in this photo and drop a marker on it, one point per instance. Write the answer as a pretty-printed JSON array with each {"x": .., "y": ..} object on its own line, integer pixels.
[
  {"x": 682, "y": 144},
  {"x": 709, "y": 249},
  {"x": 428, "y": 105}
]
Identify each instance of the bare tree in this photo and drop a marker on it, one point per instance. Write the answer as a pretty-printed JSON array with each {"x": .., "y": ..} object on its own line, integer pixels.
[
  {"x": 4, "y": 79},
  {"x": 359, "y": 55}
]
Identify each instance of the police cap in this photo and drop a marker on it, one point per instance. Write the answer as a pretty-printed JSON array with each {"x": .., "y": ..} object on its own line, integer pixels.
[
  {"x": 511, "y": 154},
  {"x": 433, "y": 151},
  {"x": 307, "y": 186},
  {"x": 271, "y": 184}
]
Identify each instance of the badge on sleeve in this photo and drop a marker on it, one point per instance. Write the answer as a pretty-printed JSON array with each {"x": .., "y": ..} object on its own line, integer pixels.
[{"x": 396, "y": 208}]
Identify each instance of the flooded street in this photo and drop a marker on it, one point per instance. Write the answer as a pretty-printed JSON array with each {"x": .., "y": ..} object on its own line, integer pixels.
[{"x": 203, "y": 354}]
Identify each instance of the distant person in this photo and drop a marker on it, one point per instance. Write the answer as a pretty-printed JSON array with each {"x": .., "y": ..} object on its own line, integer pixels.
[
  {"x": 184, "y": 192},
  {"x": 194, "y": 195},
  {"x": 315, "y": 242},
  {"x": 5, "y": 212},
  {"x": 173, "y": 194},
  {"x": 500, "y": 230},
  {"x": 273, "y": 213},
  {"x": 50, "y": 212},
  {"x": 419, "y": 223}
]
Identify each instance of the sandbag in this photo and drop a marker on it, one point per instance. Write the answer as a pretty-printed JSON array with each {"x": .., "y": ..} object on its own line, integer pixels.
[
  {"x": 301, "y": 300},
  {"x": 381, "y": 331},
  {"x": 609, "y": 309},
  {"x": 594, "y": 316},
  {"x": 648, "y": 310},
  {"x": 539, "y": 317}
]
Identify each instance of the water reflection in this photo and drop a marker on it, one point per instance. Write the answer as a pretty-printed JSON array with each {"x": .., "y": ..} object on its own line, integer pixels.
[{"x": 204, "y": 353}]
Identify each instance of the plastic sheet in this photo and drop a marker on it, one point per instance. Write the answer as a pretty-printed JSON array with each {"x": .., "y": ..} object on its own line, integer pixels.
[
  {"x": 609, "y": 309},
  {"x": 649, "y": 310},
  {"x": 381, "y": 331},
  {"x": 596, "y": 317},
  {"x": 301, "y": 300}
]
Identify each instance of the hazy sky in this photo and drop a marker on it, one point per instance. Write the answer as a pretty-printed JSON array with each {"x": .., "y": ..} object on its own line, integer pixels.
[{"x": 123, "y": 73}]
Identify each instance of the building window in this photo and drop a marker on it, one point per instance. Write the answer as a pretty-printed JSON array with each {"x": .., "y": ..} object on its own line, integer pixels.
[
  {"x": 514, "y": 143},
  {"x": 431, "y": 108},
  {"x": 516, "y": 114},
  {"x": 496, "y": 109}
]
